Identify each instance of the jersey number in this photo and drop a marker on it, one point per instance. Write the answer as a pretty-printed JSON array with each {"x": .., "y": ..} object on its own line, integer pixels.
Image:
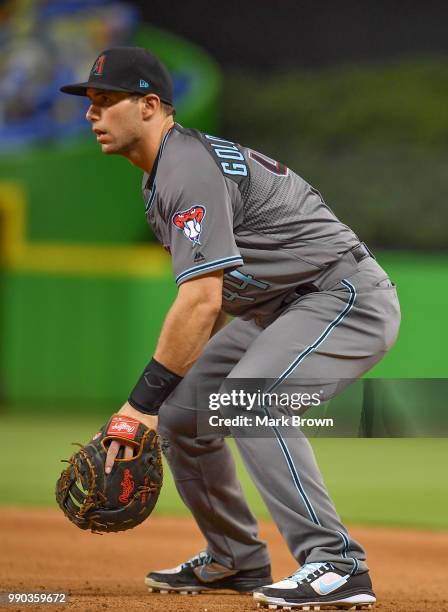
[
  {"x": 236, "y": 282},
  {"x": 270, "y": 164}
]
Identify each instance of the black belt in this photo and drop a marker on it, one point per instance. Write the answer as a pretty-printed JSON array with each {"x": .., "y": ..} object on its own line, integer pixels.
[{"x": 361, "y": 251}]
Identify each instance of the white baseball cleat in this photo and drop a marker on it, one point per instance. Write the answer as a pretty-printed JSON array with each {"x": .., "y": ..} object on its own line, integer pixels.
[{"x": 318, "y": 586}]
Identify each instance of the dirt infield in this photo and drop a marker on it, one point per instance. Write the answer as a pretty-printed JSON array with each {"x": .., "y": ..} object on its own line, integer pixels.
[{"x": 42, "y": 551}]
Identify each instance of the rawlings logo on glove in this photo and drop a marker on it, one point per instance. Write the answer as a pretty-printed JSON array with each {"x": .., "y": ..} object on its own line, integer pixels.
[
  {"x": 125, "y": 426},
  {"x": 128, "y": 486}
]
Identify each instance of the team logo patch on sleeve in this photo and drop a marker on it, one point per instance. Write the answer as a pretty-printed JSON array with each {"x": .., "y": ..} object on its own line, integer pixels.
[{"x": 190, "y": 222}]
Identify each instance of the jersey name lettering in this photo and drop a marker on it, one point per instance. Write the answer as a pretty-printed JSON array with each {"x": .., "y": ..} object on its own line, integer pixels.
[{"x": 224, "y": 149}]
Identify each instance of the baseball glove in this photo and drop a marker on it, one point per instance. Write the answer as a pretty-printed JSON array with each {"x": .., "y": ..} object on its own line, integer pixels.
[{"x": 122, "y": 499}]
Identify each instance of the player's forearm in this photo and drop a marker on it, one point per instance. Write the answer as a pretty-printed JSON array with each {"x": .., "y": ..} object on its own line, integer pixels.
[{"x": 185, "y": 332}]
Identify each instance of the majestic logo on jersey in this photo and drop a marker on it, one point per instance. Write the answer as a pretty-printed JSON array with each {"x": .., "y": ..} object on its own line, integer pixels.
[
  {"x": 98, "y": 66},
  {"x": 199, "y": 257},
  {"x": 190, "y": 222}
]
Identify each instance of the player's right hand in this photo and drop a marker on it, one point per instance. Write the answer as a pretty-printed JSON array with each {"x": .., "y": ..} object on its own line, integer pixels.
[{"x": 127, "y": 410}]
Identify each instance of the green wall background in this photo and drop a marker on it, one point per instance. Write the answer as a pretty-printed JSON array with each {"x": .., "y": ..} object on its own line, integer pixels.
[{"x": 85, "y": 339}]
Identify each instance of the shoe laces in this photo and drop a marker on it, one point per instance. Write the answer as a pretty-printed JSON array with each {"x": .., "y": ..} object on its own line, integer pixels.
[
  {"x": 309, "y": 572},
  {"x": 202, "y": 558}
]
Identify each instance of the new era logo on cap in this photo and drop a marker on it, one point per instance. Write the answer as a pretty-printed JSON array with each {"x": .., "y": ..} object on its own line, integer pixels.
[{"x": 143, "y": 84}]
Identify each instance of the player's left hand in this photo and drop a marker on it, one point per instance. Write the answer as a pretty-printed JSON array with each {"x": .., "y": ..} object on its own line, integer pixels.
[
  {"x": 127, "y": 495},
  {"x": 127, "y": 410}
]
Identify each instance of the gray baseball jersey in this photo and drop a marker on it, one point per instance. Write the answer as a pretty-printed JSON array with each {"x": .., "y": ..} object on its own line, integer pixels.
[
  {"x": 217, "y": 205},
  {"x": 214, "y": 204}
]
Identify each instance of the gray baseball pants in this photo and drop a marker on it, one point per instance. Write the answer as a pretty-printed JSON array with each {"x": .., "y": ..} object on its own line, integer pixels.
[{"x": 339, "y": 333}]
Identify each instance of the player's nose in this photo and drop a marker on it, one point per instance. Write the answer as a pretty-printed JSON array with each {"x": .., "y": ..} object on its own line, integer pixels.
[{"x": 92, "y": 113}]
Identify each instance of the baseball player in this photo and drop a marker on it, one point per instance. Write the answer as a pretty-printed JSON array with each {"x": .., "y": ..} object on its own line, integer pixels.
[{"x": 249, "y": 238}]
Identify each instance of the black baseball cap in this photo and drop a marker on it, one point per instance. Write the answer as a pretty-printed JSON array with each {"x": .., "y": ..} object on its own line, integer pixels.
[{"x": 131, "y": 69}]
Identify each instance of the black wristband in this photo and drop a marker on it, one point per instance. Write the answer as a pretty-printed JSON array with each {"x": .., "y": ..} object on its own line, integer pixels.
[{"x": 153, "y": 387}]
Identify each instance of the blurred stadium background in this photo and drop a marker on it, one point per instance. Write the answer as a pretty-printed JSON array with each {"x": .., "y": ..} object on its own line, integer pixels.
[{"x": 353, "y": 97}]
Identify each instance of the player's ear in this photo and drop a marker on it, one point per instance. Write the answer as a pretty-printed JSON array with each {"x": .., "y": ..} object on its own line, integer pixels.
[{"x": 150, "y": 105}]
